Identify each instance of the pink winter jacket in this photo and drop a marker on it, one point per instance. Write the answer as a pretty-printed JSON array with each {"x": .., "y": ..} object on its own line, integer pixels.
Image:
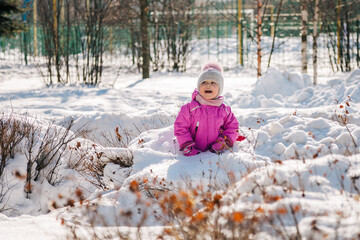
[{"x": 203, "y": 124}]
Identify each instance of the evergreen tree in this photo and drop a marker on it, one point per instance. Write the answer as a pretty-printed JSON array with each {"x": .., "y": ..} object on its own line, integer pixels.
[{"x": 8, "y": 25}]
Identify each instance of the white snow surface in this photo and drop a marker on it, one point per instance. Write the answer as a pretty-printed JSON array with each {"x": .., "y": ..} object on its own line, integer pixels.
[{"x": 297, "y": 147}]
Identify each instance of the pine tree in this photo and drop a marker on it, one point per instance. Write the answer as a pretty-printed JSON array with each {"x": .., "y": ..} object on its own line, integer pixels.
[{"x": 8, "y": 25}]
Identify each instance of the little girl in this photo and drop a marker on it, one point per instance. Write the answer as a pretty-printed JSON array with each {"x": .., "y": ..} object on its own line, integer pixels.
[{"x": 206, "y": 123}]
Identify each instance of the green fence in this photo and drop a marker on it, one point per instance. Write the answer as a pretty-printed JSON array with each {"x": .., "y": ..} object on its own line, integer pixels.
[{"x": 220, "y": 22}]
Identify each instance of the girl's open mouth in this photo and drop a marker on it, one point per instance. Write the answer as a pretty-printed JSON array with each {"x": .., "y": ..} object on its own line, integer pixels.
[{"x": 208, "y": 91}]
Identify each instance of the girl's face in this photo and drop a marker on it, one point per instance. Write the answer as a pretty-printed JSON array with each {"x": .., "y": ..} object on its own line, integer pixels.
[{"x": 209, "y": 89}]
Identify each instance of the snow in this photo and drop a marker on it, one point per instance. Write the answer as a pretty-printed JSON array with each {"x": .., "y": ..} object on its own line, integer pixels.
[
  {"x": 282, "y": 83},
  {"x": 301, "y": 146}
]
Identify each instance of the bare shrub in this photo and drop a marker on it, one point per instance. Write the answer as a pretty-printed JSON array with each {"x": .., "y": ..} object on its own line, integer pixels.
[
  {"x": 90, "y": 159},
  {"x": 86, "y": 160},
  {"x": 341, "y": 115},
  {"x": 186, "y": 214},
  {"x": 92, "y": 220},
  {"x": 45, "y": 151},
  {"x": 194, "y": 213},
  {"x": 6, "y": 188},
  {"x": 12, "y": 132},
  {"x": 43, "y": 147},
  {"x": 118, "y": 151}
]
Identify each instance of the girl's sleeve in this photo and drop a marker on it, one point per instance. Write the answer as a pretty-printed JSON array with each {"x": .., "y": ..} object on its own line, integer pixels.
[
  {"x": 182, "y": 126},
  {"x": 231, "y": 126}
]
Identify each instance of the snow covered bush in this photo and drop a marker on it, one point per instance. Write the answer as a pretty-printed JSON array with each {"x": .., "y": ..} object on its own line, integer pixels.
[
  {"x": 35, "y": 154},
  {"x": 12, "y": 132},
  {"x": 269, "y": 202}
]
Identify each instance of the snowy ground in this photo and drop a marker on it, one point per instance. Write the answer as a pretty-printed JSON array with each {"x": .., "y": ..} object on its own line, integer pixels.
[{"x": 297, "y": 149}]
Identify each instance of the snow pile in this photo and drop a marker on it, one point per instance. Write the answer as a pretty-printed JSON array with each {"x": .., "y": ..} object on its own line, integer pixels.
[
  {"x": 156, "y": 155},
  {"x": 282, "y": 83},
  {"x": 302, "y": 137},
  {"x": 284, "y": 89},
  {"x": 303, "y": 195}
]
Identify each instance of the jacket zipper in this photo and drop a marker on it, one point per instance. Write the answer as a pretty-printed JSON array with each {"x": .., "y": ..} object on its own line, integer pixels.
[
  {"x": 207, "y": 121},
  {"x": 196, "y": 128}
]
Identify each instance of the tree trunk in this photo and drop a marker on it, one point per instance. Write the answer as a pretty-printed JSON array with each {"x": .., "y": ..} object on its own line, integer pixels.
[
  {"x": 357, "y": 43},
  {"x": 144, "y": 38},
  {"x": 304, "y": 23},
  {"x": 68, "y": 31},
  {"x": 56, "y": 13},
  {"x": 315, "y": 36},
  {"x": 259, "y": 33},
  {"x": 347, "y": 32},
  {"x": 240, "y": 33},
  {"x": 339, "y": 35}
]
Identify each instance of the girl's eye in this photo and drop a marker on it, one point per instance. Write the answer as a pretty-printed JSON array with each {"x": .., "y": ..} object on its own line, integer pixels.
[{"x": 213, "y": 83}]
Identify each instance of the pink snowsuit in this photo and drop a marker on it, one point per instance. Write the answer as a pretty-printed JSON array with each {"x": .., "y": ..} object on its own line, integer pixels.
[{"x": 203, "y": 124}]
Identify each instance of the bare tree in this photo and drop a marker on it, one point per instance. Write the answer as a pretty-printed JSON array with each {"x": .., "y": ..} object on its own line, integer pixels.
[
  {"x": 315, "y": 37},
  {"x": 145, "y": 51},
  {"x": 86, "y": 21},
  {"x": 175, "y": 21},
  {"x": 347, "y": 34},
  {"x": 304, "y": 26},
  {"x": 275, "y": 28},
  {"x": 259, "y": 34},
  {"x": 49, "y": 13},
  {"x": 94, "y": 14},
  {"x": 126, "y": 15},
  {"x": 338, "y": 23},
  {"x": 357, "y": 43}
]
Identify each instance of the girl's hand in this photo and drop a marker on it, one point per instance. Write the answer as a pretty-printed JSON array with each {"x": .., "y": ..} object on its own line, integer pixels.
[
  {"x": 189, "y": 149},
  {"x": 220, "y": 146}
]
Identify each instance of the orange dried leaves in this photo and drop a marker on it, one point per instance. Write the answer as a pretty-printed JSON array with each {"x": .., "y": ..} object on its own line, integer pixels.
[
  {"x": 134, "y": 186},
  {"x": 238, "y": 217},
  {"x": 281, "y": 210}
]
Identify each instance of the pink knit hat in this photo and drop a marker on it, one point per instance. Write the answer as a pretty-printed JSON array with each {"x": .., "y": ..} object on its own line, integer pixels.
[{"x": 213, "y": 65}]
